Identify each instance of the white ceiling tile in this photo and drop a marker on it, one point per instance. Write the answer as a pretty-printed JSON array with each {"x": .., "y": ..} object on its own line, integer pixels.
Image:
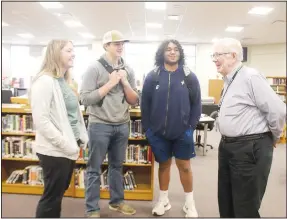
[{"x": 202, "y": 21}]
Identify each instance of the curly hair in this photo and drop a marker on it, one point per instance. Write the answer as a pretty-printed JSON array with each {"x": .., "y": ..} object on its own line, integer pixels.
[{"x": 159, "y": 56}]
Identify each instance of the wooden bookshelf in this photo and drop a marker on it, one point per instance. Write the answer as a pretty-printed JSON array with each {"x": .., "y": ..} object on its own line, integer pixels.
[
  {"x": 143, "y": 172},
  {"x": 29, "y": 189},
  {"x": 278, "y": 84},
  {"x": 144, "y": 191}
]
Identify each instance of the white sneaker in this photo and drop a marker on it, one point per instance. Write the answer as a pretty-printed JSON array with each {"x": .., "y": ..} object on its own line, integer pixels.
[
  {"x": 160, "y": 208},
  {"x": 190, "y": 210}
]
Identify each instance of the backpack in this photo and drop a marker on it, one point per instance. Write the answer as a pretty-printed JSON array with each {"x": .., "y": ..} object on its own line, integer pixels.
[
  {"x": 187, "y": 80},
  {"x": 110, "y": 69}
]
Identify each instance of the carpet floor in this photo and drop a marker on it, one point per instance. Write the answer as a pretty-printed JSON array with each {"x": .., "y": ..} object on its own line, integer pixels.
[{"x": 205, "y": 191}]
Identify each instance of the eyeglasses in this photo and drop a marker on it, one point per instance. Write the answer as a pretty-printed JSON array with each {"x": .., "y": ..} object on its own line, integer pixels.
[{"x": 217, "y": 55}]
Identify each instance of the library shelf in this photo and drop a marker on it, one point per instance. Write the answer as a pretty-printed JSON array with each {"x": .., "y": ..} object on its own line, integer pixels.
[
  {"x": 142, "y": 192},
  {"x": 18, "y": 134},
  {"x": 32, "y": 134},
  {"x": 19, "y": 188},
  {"x": 142, "y": 170},
  {"x": 77, "y": 162},
  {"x": 278, "y": 84}
]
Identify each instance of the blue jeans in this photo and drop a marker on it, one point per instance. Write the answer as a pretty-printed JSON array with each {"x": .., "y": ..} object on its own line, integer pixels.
[{"x": 102, "y": 139}]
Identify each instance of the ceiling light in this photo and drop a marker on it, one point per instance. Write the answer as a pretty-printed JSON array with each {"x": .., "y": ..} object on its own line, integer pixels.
[
  {"x": 72, "y": 23},
  {"x": 4, "y": 24},
  {"x": 152, "y": 38},
  {"x": 234, "y": 29},
  {"x": 169, "y": 36},
  {"x": 153, "y": 25},
  {"x": 87, "y": 35},
  {"x": 173, "y": 17},
  {"x": 214, "y": 40},
  {"x": 51, "y": 5},
  {"x": 155, "y": 5},
  {"x": 26, "y": 35},
  {"x": 260, "y": 10}
]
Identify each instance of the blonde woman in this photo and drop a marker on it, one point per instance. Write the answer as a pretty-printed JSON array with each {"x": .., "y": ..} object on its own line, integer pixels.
[{"x": 60, "y": 128}]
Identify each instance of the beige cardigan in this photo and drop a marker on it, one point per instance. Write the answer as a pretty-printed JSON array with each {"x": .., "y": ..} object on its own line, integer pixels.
[{"x": 54, "y": 135}]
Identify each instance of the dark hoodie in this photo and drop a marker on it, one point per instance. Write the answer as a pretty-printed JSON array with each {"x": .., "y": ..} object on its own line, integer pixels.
[{"x": 167, "y": 110}]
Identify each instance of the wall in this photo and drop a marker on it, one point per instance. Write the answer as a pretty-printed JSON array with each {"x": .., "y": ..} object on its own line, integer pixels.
[
  {"x": 205, "y": 68},
  {"x": 269, "y": 59},
  {"x": 6, "y": 60}
]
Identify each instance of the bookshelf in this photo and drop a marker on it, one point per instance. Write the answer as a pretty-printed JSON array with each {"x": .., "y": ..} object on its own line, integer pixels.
[
  {"x": 18, "y": 158},
  {"x": 278, "y": 84}
]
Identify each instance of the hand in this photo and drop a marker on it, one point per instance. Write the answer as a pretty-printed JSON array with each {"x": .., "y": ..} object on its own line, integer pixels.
[
  {"x": 275, "y": 143},
  {"x": 114, "y": 78},
  {"x": 123, "y": 75}
]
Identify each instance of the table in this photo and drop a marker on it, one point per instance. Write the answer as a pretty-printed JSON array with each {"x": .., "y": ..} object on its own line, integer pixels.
[{"x": 205, "y": 120}]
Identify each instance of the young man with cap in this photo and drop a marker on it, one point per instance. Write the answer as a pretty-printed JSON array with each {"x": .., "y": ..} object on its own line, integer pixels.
[{"x": 108, "y": 88}]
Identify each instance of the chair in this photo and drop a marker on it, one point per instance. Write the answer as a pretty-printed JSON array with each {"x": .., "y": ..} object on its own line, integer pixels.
[
  {"x": 200, "y": 127},
  {"x": 6, "y": 96}
]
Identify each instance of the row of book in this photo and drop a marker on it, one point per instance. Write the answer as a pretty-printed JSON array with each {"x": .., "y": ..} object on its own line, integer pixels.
[
  {"x": 24, "y": 124},
  {"x": 277, "y": 81},
  {"x": 136, "y": 154},
  {"x": 23, "y": 147},
  {"x": 17, "y": 123},
  {"x": 129, "y": 182},
  {"x": 136, "y": 130},
  {"x": 18, "y": 147},
  {"x": 31, "y": 175}
]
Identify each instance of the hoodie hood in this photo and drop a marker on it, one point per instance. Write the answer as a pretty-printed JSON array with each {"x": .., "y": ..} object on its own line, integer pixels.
[{"x": 121, "y": 63}]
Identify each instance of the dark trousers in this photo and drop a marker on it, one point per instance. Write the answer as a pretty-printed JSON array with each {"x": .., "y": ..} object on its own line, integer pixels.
[
  {"x": 243, "y": 169},
  {"x": 57, "y": 173}
]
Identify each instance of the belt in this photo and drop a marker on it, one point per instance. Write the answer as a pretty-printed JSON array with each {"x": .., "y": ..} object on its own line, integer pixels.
[{"x": 246, "y": 137}]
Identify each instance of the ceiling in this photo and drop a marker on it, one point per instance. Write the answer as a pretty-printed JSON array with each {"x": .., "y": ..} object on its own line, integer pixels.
[{"x": 200, "y": 21}]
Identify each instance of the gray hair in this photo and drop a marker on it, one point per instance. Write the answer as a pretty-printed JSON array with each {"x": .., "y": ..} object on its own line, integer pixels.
[{"x": 230, "y": 45}]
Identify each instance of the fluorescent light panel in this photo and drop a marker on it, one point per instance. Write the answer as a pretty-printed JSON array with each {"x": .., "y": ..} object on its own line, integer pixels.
[
  {"x": 26, "y": 35},
  {"x": 153, "y": 25},
  {"x": 214, "y": 40},
  {"x": 173, "y": 17},
  {"x": 260, "y": 10},
  {"x": 234, "y": 29},
  {"x": 152, "y": 38},
  {"x": 87, "y": 35},
  {"x": 4, "y": 24},
  {"x": 51, "y": 5},
  {"x": 72, "y": 23},
  {"x": 170, "y": 36},
  {"x": 155, "y": 6}
]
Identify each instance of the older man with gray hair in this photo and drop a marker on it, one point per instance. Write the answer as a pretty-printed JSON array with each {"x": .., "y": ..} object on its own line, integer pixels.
[{"x": 251, "y": 119}]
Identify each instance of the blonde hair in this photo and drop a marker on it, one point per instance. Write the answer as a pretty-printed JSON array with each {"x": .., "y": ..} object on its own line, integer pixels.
[{"x": 52, "y": 60}]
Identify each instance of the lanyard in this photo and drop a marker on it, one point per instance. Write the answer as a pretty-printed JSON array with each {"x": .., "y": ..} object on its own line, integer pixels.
[{"x": 223, "y": 94}]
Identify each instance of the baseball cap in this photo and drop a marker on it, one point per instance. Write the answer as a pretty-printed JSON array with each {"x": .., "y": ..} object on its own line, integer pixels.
[{"x": 114, "y": 36}]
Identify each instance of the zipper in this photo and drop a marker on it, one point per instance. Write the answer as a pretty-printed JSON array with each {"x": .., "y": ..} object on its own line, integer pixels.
[{"x": 167, "y": 103}]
